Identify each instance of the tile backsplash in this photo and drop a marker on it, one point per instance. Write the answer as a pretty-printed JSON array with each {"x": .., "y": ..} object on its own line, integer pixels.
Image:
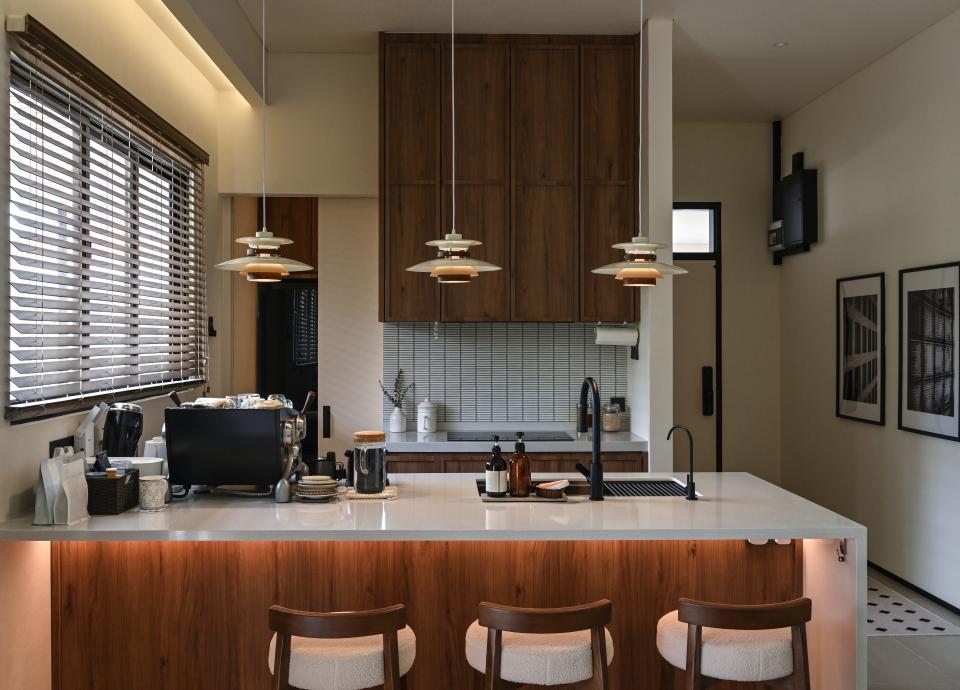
[{"x": 497, "y": 372}]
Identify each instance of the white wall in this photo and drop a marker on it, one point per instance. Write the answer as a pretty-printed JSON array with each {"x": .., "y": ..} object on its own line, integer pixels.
[
  {"x": 729, "y": 163},
  {"x": 351, "y": 337},
  {"x": 322, "y": 129},
  {"x": 650, "y": 379},
  {"x": 112, "y": 35},
  {"x": 887, "y": 144}
]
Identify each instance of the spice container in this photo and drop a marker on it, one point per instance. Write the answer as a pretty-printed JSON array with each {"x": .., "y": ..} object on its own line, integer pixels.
[{"x": 611, "y": 418}]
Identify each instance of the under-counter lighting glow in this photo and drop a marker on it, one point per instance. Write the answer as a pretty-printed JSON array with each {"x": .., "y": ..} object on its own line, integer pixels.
[{"x": 780, "y": 44}]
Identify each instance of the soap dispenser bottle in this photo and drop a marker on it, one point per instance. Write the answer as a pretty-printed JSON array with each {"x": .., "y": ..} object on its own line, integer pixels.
[
  {"x": 497, "y": 472},
  {"x": 520, "y": 470}
]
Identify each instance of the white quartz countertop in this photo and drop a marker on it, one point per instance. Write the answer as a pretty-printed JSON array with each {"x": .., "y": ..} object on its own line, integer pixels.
[
  {"x": 437, "y": 442},
  {"x": 447, "y": 507}
]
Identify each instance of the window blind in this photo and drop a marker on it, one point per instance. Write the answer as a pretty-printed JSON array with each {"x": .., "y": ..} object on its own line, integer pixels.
[{"x": 105, "y": 247}]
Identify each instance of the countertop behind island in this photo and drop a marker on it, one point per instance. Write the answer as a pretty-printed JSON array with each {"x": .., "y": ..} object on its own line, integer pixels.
[{"x": 447, "y": 507}]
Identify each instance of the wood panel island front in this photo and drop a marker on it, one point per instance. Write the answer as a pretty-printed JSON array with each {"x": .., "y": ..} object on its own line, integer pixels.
[{"x": 178, "y": 599}]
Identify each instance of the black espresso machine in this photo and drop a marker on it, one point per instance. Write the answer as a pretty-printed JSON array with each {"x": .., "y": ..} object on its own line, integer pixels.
[{"x": 217, "y": 447}]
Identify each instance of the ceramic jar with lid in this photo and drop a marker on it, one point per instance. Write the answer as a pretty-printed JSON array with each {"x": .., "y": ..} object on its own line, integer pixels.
[{"x": 427, "y": 416}]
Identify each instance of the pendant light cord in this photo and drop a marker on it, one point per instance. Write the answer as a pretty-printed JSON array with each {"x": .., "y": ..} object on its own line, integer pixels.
[
  {"x": 453, "y": 124},
  {"x": 263, "y": 118},
  {"x": 640, "y": 127}
]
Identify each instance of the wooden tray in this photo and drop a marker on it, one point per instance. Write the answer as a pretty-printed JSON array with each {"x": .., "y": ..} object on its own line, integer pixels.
[{"x": 532, "y": 498}]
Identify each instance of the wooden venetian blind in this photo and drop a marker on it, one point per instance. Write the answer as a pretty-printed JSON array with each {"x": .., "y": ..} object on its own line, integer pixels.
[{"x": 105, "y": 244}]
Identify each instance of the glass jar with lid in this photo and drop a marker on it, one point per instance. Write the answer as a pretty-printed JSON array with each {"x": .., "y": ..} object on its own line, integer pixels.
[{"x": 611, "y": 418}]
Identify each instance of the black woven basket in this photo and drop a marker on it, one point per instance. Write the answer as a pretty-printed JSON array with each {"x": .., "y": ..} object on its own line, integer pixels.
[{"x": 113, "y": 495}]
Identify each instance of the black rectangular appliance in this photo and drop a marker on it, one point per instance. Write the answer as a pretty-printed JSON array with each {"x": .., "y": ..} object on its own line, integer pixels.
[
  {"x": 798, "y": 194},
  {"x": 225, "y": 447}
]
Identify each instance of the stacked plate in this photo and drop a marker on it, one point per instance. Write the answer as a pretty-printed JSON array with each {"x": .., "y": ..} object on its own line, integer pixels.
[{"x": 317, "y": 488}]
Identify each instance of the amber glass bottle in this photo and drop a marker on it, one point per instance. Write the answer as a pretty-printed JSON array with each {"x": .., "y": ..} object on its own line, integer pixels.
[{"x": 520, "y": 470}]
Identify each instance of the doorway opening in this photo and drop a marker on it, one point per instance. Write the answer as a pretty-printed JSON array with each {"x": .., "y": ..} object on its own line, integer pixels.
[{"x": 698, "y": 328}]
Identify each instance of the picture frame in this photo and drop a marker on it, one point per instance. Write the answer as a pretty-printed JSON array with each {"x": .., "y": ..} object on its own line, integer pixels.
[
  {"x": 861, "y": 349},
  {"x": 929, "y": 363}
]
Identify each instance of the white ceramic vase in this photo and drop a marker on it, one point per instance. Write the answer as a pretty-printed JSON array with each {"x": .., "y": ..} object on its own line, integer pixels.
[{"x": 398, "y": 421}]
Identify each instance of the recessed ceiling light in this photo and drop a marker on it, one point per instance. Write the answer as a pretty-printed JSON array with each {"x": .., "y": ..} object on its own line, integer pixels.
[{"x": 780, "y": 44}]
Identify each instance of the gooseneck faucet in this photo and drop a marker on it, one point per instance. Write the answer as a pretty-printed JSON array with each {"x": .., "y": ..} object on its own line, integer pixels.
[
  {"x": 691, "y": 486},
  {"x": 595, "y": 476}
]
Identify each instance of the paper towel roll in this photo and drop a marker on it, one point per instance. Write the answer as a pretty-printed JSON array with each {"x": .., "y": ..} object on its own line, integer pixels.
[{"x": 626, "y": 336}]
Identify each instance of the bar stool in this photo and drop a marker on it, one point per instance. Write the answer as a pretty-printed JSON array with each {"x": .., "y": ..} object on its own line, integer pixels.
[
  {"x": 516, "y": 646},
  {"x": 341, "y": 651},
  {"x": 714, "y": 642}
]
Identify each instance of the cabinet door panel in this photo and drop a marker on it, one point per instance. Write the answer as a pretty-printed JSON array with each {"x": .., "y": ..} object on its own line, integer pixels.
[
  {"x": 412, "y": 78},
  {"x": 483, "y": 113},
  {"x": 607, "y": 218},
  {"x": 482, "y": 215},
  {"x": 545, "y": 254},
  {"x": 411, "y": 222},
  {"x": 545, "y": 114},
  {"x": 483, "y": 124},
  {"x": 608, "y": 116},
  {"x": 293, "y": 217}
]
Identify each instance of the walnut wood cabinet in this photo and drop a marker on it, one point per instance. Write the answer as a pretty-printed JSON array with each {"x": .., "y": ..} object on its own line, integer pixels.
[
  {"x": 293, "y": 217},
  {"x": 546, "y": 144}
]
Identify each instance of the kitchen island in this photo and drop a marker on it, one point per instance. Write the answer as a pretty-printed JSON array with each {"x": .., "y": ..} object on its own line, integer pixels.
[{"x": 187, "y": 589}]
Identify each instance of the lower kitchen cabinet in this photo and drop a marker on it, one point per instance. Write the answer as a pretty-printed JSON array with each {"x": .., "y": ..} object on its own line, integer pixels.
[{"x": 540, "y": 462}]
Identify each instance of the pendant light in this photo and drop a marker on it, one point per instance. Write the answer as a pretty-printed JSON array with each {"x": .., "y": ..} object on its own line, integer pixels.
[
  {"x": 640, "y": 267},
  {"x": 263, "y": 263},
  {"x": 453, "y": 263}
]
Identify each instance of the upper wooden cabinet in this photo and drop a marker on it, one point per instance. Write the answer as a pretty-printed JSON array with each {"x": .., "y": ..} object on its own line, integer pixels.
[
  {"x": 545, "y": 144},
  {"x": 546, "y": 173},
  {"x": 483, "y": 177},
  {"x": 608, "y": 176},
  {"x": 410, "y": 177},
  {"x": 293, "y": 217}
]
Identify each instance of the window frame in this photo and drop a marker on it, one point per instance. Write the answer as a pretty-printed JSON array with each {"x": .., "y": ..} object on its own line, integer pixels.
[{"x": 165, "y": 148}]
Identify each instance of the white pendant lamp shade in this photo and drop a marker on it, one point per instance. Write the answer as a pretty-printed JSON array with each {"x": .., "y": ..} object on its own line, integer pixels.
[
  {"x": 263, "y": 263},
  {"x": 639, "y": 267},
  {"x": 453, "y": 264}
]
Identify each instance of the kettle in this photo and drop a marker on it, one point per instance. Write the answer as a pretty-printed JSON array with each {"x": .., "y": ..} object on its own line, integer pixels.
[
  {"x": 122, "y": 429},
  {"x": 427, "y": 416}
]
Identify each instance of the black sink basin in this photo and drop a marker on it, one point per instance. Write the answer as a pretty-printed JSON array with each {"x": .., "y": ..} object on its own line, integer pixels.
[{"x": 620, "y": 488}]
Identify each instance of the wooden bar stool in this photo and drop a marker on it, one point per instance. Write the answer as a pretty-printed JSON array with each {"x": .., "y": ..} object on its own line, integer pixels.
[
  {"x": 341, "y": 651},
  {"x": 714, "y": 642},
  {"x": 515, "y": 646}
]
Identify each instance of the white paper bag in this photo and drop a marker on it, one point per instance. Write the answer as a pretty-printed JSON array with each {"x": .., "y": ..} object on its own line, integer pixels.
[{"x": 61, "y": 490}]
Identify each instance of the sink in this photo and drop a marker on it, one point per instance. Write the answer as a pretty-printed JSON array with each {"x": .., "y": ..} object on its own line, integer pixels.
[{"x": 620, "y": 488}]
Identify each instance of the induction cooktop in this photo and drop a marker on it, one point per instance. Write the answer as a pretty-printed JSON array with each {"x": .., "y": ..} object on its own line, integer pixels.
[{"x": 508, "y": 436}]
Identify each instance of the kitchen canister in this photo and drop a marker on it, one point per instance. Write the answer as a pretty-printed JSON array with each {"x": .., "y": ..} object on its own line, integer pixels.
[
  {"x": 427, "y": 416},
  {"x": 153, "y": 493}
]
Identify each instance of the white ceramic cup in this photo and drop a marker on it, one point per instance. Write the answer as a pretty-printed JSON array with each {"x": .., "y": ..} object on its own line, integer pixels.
[{"x": 153, "y": 492}]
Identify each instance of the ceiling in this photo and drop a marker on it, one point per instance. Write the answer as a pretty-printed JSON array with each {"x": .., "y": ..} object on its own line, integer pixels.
[{"x": 725, "y": 65}]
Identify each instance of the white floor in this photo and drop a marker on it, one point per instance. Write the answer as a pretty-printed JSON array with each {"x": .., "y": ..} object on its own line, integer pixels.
[{"x": 914, "y": 662}]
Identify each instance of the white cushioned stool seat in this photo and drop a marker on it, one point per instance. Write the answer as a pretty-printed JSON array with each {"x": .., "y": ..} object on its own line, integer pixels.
[
  {"x": 349, "y": 663},
  {"x": 552, "y": 659},
  {"x": 739, "y": 655}
]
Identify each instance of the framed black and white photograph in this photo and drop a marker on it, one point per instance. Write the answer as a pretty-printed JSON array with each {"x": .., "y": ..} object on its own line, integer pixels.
[
  {"x": 928, "y": 350},
  {"x": 861, "y": 348}
]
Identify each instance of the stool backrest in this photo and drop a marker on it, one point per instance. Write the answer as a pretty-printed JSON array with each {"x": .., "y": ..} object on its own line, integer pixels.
[
  {"x": 340, "y": 624},
  {"x": 750, "y": 617},
  {"x": 593, "y": 617},
  {"x": 289, "y": 623},
  {"x": 545, "y": 621},
  {"x": 789, "y": 614}
]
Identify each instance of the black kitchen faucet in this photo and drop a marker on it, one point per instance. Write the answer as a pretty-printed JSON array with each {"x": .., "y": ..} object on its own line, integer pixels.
[{"x": 595, "y": 476}]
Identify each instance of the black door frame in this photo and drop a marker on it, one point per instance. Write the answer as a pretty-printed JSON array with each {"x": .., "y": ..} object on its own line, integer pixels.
[{"x": 714, "y": 256}]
